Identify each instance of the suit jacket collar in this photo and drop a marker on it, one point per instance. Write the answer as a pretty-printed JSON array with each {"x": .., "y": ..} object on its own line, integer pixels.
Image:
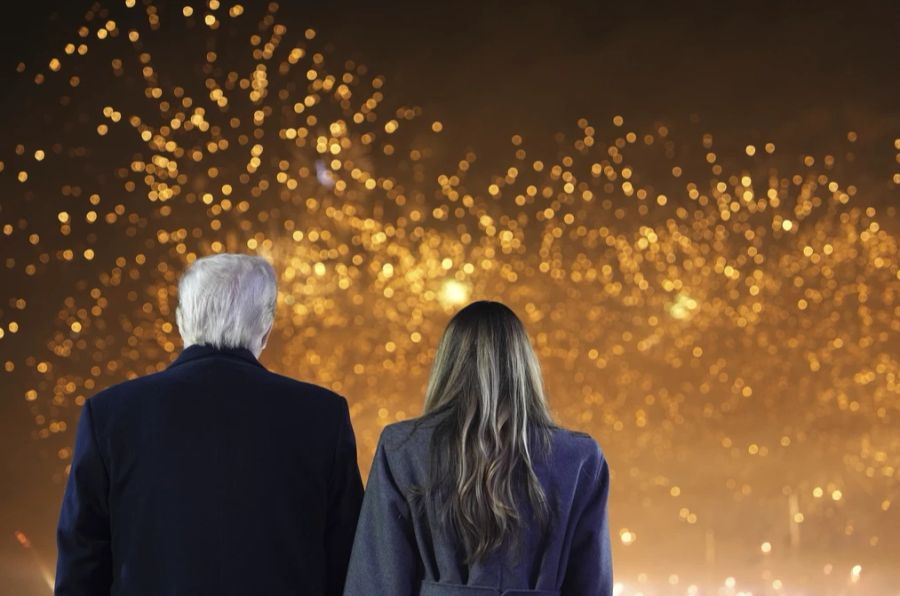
[{"x": 197, "y": 351}]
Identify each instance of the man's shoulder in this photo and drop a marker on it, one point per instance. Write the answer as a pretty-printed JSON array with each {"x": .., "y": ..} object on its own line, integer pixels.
[
  {"x": 306, "y": 389},
  {"x": 133, "y": 386},
  {"x": 169, "y": 379}
]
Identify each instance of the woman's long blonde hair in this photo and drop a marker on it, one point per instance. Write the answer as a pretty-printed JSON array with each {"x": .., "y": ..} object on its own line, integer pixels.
[{"x": 486, "y": 394}]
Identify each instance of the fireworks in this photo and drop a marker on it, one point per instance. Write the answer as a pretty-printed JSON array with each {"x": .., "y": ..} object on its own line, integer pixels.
[{"x": 723, "y": 319}]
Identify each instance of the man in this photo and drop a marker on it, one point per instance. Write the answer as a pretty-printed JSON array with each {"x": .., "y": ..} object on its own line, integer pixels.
[{"x": 214, "y": 476}]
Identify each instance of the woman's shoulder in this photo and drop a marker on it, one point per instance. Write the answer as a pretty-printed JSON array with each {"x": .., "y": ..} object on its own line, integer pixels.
[
  {"x": 406, "y": 434},
  {"x": 403, "y": 449},
  {"x": 571, "y": 446}
]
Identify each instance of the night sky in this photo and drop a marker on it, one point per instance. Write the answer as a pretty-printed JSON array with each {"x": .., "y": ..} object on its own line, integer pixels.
[{"x": 803, "y": 73}]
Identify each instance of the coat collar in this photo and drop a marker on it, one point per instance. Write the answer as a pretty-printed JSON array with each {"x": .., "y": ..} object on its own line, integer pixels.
[{"x": 197, "y": 351}]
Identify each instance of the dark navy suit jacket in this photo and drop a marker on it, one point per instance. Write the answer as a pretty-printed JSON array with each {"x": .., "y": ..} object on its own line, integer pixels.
[
  {"x": 401, "y": 550},
  {"x": 212, "y": 477}
]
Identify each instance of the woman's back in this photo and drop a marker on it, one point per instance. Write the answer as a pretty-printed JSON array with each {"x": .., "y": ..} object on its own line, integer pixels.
[{"x": 404, "y": 548}]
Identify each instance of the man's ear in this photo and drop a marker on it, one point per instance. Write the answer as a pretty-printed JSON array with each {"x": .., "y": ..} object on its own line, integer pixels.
[{"x": 265, "y": 339}]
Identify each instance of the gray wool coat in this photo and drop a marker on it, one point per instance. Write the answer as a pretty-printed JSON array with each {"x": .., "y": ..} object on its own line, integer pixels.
[{"x": 400, "y": 549}]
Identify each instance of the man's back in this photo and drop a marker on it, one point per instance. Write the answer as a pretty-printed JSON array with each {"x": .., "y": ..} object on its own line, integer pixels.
[{"x": 214, "y": 476}]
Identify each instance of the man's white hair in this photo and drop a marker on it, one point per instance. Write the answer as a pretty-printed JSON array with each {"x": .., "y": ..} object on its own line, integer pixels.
[{"x": 227, "y": 301}]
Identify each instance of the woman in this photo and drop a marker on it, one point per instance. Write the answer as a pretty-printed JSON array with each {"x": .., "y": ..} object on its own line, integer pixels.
[{"x": 483, "y": 494}]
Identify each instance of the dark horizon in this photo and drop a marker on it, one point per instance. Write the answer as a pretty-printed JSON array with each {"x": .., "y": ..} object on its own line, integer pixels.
[{"x": 781, "y": 62}]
